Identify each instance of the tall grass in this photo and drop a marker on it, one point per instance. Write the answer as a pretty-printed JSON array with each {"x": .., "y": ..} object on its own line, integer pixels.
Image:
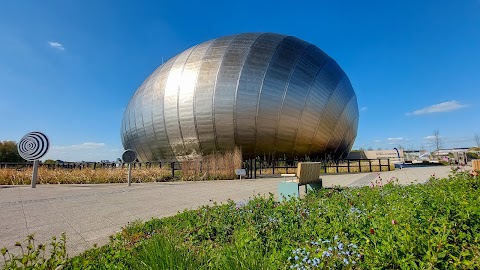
[
  {"x": 214, "y": 166},
  {"x": 83, "y": 176},
  {"x": 162, "y": 253}
]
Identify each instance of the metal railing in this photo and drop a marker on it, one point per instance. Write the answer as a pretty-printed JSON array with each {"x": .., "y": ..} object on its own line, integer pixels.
[{"x": 262, "y": 167}]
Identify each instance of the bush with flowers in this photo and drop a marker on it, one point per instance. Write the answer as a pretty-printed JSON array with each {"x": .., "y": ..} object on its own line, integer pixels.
[{"x": 385, "y": 225}]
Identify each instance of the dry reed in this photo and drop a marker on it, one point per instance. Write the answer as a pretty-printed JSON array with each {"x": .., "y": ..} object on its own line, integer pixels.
[
  {"x": 219, "y": 165},
  {"x": 82, "y": 176},
  {"x": 214, "y": 166}
]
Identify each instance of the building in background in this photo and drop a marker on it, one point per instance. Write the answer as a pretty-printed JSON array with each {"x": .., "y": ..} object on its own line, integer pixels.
[
  {"x": 452, "y": 155},
  {"x": 393, "y": 155}
]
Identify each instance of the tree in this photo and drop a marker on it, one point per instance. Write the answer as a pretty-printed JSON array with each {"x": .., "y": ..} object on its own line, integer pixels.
[
  {"x": 437, "y": 140},
  {"x": 9, "y": 152},
  {"x": 50, "y": 161},
  {"x": 477, "y": 139}
]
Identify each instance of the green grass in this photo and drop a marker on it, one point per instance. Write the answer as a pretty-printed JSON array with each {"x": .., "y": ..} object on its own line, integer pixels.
[{"x": 433, "y": 225}]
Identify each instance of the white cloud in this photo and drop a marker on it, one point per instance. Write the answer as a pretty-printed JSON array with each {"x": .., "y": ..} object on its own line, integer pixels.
[
  {"x": 86, "y": 145},
  {"x": 440, "y": 107},
  {"x": 92, "y": 144},
  {"x": 87, "y": 151},
  {"x": 377, "y": 141},
  {"x": 395, "y": 139},
  {"x": 363, "y": 109},
  {"x": 56, "y": 45},
  {"x": 431, "y": 137}
]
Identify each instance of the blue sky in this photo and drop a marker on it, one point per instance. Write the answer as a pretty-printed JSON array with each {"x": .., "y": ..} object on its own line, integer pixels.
[{"x": 68, "y": 68}]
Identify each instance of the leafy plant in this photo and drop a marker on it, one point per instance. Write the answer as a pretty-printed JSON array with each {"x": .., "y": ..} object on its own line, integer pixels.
[
  {"x": 36, "y": 257},
  {"x": 385, "y": 225}
]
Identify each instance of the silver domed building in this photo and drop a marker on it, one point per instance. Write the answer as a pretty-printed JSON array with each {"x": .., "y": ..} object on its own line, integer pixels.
[{"x": 267, "y": 93}]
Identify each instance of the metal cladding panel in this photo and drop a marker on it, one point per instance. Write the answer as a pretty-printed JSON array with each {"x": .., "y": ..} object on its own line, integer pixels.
[
  {"x": 272, "y": 93},
  {"x": 324, "y": 86},
  {"x": 186, "y": 108},
  {"x": 171, "y": 101},
  {"x": 339, "y": 132},
  {"x": 147, "y": 119},
  {"x": 136, "y": 125},
  {"x": 226, "y": 87},
  {"x": 268, "y": 93},
  {"x": 161, "y": 142},
  {"x": 346, "y": 145},
  {"x": 205, "y": 91},
  {"x": 343, "y": 129},
  {"x": 125, "y": 130},
  {"x": 295, "y": 98},
  {"x": 248, "y": 91},
  {"x": 339, "y": 100},
  {"x": 136, "y": 122},
  {"x": 141, "y": 137}
]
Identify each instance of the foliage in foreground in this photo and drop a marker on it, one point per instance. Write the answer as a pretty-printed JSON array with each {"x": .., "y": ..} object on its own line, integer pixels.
[
  {"x": 37, "y": 257},
  {"x": 434, "y": 225}
]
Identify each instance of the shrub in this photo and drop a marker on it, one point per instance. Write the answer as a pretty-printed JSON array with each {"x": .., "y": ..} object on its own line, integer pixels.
[
  {"x": 35, "y": 257},
  {"x": 432, "y": 225}
]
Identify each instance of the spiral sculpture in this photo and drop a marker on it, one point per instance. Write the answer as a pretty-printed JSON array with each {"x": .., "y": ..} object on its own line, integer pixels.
[{"x": 33, "y": 146}]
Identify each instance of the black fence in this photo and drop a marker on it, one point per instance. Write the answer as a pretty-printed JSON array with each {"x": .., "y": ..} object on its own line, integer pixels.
[{"x": 253, "y": 167}]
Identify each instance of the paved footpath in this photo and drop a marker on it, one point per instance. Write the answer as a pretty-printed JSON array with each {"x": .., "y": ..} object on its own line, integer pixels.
[{"x": 89, "y": 214}]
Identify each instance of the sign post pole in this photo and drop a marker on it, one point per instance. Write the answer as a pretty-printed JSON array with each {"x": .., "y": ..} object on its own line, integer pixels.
[
  {"x": 35, "y": 173},
  {"x": 129, "y": 174},
  {"x": 129, "y": 156},
  {"x": 32, "y": 147}
]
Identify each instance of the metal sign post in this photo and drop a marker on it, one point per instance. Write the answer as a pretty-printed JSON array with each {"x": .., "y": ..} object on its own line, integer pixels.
[
  {"x": 35, "y": 173},
  {"x": 129, "y": 156},
  {"x": 129, "y": 179},
  {"x": 32, "y": 147}
]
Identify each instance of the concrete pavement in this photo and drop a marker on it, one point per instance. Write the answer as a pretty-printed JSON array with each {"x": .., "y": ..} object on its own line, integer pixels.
[{"x": 89, "y": 214}]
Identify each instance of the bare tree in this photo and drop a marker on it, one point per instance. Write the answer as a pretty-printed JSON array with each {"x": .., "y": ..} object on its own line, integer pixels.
[
  {"x": 477, "y": 139},
  {"x": 437, "y": 140}
]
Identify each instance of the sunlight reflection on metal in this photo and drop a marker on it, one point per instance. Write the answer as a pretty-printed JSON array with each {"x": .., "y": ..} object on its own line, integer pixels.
[{"x": 270, "y": 94}]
